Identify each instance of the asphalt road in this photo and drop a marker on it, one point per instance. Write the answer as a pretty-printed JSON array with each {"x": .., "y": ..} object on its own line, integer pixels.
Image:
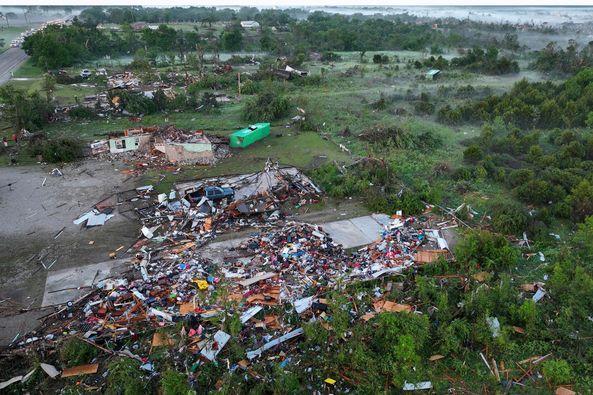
[{"x": 10, "y": 60}]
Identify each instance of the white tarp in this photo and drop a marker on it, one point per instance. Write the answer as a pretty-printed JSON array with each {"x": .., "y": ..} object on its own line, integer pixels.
[
  {"x": 221, "y": 338},
  {"x": 275, "y": 342}
]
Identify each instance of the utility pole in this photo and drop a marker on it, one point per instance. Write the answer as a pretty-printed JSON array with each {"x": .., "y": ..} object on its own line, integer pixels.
[{"x": 239, "y": 83}]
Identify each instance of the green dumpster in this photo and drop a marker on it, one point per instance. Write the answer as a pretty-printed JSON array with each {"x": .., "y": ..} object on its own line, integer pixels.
[{"x": 245, "y": 137}]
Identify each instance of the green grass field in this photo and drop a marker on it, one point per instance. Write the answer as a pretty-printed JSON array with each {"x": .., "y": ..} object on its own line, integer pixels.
[
  {"x": 28, "y": 70},
  {"x": 340, "y": 102}
]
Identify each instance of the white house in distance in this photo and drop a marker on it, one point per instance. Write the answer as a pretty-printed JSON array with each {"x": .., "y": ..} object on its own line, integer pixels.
[{"x": 249, "y": 24}]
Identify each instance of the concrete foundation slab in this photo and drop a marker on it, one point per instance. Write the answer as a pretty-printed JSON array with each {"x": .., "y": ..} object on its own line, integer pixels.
[
  {"x": 354, "y": 232},
  {"x": 70, "y": 284}
]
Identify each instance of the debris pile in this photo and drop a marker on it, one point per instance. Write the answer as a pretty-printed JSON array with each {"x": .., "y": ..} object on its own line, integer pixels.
[
  {"x": 180, "y": 296},
  {"x": 125, "y": 80},
  {"x": 151, "y": 147},
  {"x": 295, "y": 265},
  {"x": 192, "y": 213}
]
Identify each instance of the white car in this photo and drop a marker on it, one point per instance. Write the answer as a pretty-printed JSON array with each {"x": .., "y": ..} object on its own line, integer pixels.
[{"x": 86, "y": 73}]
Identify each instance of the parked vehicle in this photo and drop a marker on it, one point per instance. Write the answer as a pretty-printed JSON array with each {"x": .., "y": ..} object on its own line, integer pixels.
[
  {"x": 213, "y": 193},
  {"x": 86, "y": 73}
]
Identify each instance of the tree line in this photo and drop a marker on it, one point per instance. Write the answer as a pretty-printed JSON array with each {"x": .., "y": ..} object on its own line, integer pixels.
[
  {"x": 64, "y": 46},
  {"x": 528, "y": 105},
  {"x": 555, "y": 59},
  {"x": 476, "y": 60}
]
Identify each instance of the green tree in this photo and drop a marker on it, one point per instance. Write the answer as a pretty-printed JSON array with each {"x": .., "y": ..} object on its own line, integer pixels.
[
  {"x": 24, "y": 110},
  {"x": 473, "y": 154},
  {"x": 48, "y": 86},
  {"x": 583, "y": 237},
  {"x": 581, "y": 200},
  {"x": 557, "y": 371},
  {"x": 174, "y": 383},
  {"x": 267, "y": 106},
  {"x": 232, "y": 39}
]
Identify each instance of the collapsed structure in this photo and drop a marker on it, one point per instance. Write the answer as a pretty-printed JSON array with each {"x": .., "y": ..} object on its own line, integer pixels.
[
  {"x": 176, "y": 145},
  {"x": 176, "y": 278}
]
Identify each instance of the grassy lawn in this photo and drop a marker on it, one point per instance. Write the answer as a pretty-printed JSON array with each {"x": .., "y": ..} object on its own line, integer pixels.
[
  {"x": 28, "y": 70},
  {"x": 304, "y": 150},
  {"x": 342, "y": 107}
]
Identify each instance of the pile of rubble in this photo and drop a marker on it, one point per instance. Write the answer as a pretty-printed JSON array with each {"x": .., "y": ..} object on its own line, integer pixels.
[
  {"x": 255, "y": 201},
  {"x": 181, "y": 297},
  {"x": 125, "y": 80},
  {"x": 159, "y": 147},
  {"x": 291, "y": 267}
]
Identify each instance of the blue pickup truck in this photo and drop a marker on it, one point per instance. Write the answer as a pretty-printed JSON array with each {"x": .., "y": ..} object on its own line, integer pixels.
[{"x": 213, "y": 193}]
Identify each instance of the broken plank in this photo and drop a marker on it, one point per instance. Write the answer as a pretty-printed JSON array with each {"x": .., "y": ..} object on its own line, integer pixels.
[
  {"x": 81, "y": 370},
  {"x": 256, "y": 279}
]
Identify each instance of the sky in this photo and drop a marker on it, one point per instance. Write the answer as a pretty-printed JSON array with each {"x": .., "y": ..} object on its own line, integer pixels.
[{"x": 300, "y": 3}]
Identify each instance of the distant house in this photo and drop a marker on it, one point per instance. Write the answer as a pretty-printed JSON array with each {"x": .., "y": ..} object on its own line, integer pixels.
[
  {"x": 137, "y": 26},
  {"x": 249, "y": 24},
  {"x": 433, "y": 74}
]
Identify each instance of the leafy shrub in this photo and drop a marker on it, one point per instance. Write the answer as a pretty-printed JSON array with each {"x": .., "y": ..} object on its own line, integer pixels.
[
  {"x": 267, "y": 106},
  {"x": 486, "y": 250},
  {"x": 249, "y": 87},
  {"x": 123, "y": 378},
  {"x": 392, "y": 136},
  {"x": 473, "y": 154},
  {"x": 508, "y": 217},
  {"x": 213, "y": 81},
  {"x": 136, "y": 103},
  {"x": 208, "y": 103},
  {"x": 380, "y": 59},
  {"x": 76, "y": 352},
  {"x": 312, "y": 80},
  {"x": 423, "y": 107},
  {"x": 61, "y": 150},
  {"x": 331, "y": 57},
  {"x": 82, "y": 113},
  {"x": 174, "y": 383},
  {"x": 557, "y": 371}
]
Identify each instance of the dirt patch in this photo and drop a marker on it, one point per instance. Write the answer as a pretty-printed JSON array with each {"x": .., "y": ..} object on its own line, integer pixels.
[
  {"x": 330, "y": 210},
  {"x": 317, "y": 161},
  {"x": 38, "y": 206}
]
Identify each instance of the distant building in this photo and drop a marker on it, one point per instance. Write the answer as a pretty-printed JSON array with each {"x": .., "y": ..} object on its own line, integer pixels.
[
  {"x": 249, "y": 24},
  {"x": 433, "y": 74},
  {"x": 137, "y": 26}
]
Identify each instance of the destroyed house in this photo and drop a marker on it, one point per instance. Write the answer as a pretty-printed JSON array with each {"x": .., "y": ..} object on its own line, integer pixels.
[
  {"x": 300, "y": 73},
  {"x": 136, "y": 139},
  {"x": 282, "y": 74},
  {"x": 245, "y": 137},
  {"x": 121, "y": 144},
  {"x": 185, "y": 147}
]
